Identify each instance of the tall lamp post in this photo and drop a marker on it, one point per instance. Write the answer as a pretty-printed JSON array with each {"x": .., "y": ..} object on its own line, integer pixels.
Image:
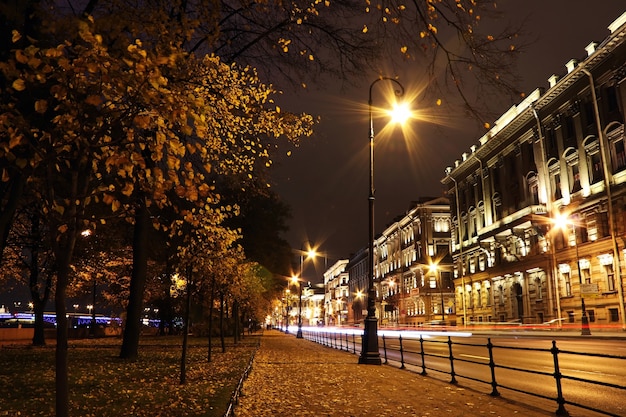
[
  {"x": 585, "y": 329},
  {"x": 310, "y": 254},
  {"x": 287, "y": 301},
  {"x": 369, "y": 350}
]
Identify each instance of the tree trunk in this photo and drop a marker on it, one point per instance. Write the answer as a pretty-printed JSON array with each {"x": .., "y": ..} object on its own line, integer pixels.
[
  {"x": 61, "y": 377},
  {"x": 222, "y": 322},
  {"x": 212, "y": 299},
  {"x": 186, "y": 327},
  {"x": 39, "y": 300},
  {"x": 63, "y": 256},
  {"x": 7, "y": 212},
  {"x": 235, "y": 322},
  {"x": 39, "y": 338},
  {"x": 130, "y": 342}
]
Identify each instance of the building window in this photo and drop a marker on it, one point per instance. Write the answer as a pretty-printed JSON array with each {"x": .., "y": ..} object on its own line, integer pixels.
[
  {"x": 618, "y": 151},
  {"x": 533, "y": 188},
  {"x": 613, "y": 315},
  {"x": 594, "y": 160},
  {"x": 610, "y": 277},
  {"x": 539, "y": 289},
  {"x": 571, "y": 156},
  {"x": 567, "y": 283},
  {"x": 555, "y": 179},
  {"x": 592, "y": 315},
  {"x": 489, "y": 294},
  {"x": 479, "y": 297},
  {"x": 501, "y": 295}
]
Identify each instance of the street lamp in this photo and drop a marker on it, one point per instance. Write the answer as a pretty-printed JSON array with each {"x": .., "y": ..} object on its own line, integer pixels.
[
  {"x": 369, "y": 350},
  {"x": 310, "y": 254},
  {"x": 561, "y": 221},
  {"x": 287, "y": 301}
]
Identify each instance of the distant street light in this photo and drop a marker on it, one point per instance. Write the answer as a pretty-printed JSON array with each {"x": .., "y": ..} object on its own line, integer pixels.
[
  {"x": 310, "y": 254},
  {"x": 369, "y": 351},
  {"x": 561, "y": 222}
]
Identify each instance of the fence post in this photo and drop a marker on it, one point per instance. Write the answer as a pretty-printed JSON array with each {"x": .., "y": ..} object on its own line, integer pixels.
[
  {"x": 422, "y": 355},
  {"x": 353, "y": 343},
  {"x": 401, "y": 354},
  {"x": 385, "y": 348},
  {"x": 561, "y": 411},
  {"x": 452, "y": 374},
  {"x": 492, "y": 366}
]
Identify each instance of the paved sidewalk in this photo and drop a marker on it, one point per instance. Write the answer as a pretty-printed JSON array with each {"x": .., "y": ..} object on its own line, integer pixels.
[{"x": 296, "y": 377}]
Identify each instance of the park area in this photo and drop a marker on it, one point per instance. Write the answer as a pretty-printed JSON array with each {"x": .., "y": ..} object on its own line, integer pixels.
[{"x": 102, "y": 385}]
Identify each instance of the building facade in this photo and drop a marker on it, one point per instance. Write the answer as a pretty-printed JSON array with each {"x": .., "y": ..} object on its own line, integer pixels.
[
  {"x": 539, "y": 204},
  {"x": 412, "y": 269},
  {"x": 336, "y": 294}
]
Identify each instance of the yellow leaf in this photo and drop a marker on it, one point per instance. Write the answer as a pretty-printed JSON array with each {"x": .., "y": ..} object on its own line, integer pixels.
[
  {"x": 94, "y": 100},
  {"x": 5, "y": 175},
  {"x": 21, "y": 57},
  {"x": 107, "y": 198},
  {"x": 128, "y": 189},
  {"x": 277, "y": 109},
  {"x": 365, "y": 29},
  {"x": 41, "y": 106},
  {"x": 16, "y": 36},
  {"x": 115, "y": 206},
  {"x": 487, "y": 125},
  {"x": 59, "y": 209},
  {"x": 19, "y": 85},
  {"x": 439, "y": 102},
  {"x": 403, "y": 49},
  {"x": 15, "y": 141},
  {"x": 62, "y": 228}
]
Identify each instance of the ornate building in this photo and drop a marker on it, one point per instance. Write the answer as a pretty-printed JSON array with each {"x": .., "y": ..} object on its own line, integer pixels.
[
  {"x": 336, "y": 294},
  {"x": 558, "y": 155},
  {"x": 413, "y": 269}
]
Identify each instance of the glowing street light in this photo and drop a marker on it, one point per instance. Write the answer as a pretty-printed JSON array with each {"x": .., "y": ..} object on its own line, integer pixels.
[
  {"x": 310, "y": 254},
  {"x": 369, "y": 350}
]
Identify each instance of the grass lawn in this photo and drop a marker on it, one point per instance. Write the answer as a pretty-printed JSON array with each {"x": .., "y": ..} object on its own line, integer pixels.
[{"x": 101, "y": 384}]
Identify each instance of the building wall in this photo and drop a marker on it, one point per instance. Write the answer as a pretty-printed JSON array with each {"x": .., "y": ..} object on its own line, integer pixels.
[{"x": 561, "y": 153}]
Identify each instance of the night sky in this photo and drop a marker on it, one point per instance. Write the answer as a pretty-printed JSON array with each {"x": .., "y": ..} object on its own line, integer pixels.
[{"x": 326, "y": 181}]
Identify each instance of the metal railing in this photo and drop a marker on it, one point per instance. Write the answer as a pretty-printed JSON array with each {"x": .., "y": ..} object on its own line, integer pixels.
[{"x": 420, "y": 360}]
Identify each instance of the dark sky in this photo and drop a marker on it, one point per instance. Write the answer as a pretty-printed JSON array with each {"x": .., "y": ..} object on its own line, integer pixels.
[{"x": 325, "y": 181}]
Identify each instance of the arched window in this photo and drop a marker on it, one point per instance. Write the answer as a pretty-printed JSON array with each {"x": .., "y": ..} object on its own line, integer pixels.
[
  {"x": 573, "y": 169},
  {"x": 594, "y": 159}
]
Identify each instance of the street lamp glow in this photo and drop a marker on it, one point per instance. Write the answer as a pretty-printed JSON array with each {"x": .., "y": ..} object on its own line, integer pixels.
[
  {"x": 400, "y": 113},
  {"x": 310, "y": 254}
]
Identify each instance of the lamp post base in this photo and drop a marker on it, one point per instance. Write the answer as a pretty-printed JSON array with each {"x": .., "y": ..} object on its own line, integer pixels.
[
  {"x": 369, "y": 350},
  {"x": 299, "y": 334},
  {"x": 585, "y": 331}
]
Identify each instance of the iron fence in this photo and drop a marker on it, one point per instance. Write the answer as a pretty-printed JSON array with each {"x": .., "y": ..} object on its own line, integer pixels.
[{"x": 420, "y": 359}]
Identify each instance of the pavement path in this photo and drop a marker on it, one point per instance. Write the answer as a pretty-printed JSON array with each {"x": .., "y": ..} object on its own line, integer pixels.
[{"x": 296, "y": 377}]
